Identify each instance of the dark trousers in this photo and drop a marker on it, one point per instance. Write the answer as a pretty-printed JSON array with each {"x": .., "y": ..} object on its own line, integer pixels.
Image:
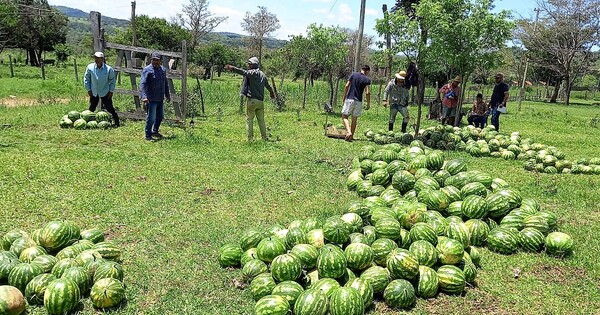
[
  {"x": 108, "y": 104},
  {"x": 495, "y": 118},
  {"x": 477, "y": 121}
]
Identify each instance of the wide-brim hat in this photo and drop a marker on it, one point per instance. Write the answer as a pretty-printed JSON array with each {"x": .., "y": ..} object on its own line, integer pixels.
[
  {"x": 399, "y": 76},
  {"x": 457, "y": 79}
]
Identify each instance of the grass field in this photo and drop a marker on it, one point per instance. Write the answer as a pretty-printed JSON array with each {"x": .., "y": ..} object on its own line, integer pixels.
[{"x": 172, "y": 203}]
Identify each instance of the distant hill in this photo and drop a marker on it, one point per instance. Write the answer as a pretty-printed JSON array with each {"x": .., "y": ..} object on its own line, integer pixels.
[{"x": 79, "y": 32}]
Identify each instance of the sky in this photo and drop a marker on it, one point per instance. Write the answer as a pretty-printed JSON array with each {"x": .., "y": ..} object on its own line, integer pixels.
[{"x": 294, "y": 15}]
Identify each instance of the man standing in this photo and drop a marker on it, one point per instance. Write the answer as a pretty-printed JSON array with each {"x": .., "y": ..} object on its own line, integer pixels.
[
  {"x": 253, "y": 87},
  {"x": 154, "y": 88},
  {"x": 498, "y": 100},
  {"x": 99, "y": 81},
  {"x": 358, "y": 82},
  {"x": 397, "y": 92},
  {"x": 450, "y": 93}
]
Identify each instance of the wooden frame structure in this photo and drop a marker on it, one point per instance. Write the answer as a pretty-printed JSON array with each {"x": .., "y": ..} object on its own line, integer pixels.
[{"x": 133, "y": 67}]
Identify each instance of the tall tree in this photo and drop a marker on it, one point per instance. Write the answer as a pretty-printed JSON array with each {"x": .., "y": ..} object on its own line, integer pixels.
[
  {"x": 260, "y": 25},
  {"x": 197, "y": 19},
  {"x": 155, "y": 33},
  {"x": 563, "y": 39}
]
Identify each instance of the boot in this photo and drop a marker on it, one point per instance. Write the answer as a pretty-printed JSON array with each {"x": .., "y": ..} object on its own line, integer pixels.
[
  {"x": 390, "y": 126},
  {"x": 404, "y": 124}
]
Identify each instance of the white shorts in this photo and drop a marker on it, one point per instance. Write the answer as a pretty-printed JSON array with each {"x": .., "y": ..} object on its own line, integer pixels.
[{"x": 352, "y": 108}]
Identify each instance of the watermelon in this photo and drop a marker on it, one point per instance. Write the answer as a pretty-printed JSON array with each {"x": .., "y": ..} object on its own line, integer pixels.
[
  {"x": 61, "y": 296},
  {"x": 311, "y": 302},
  {"x": 253, "y": 268},
  {"x": 295, "y": 236},
  {"x": 451, "y": 279},
  {"x": 107, "y": 292},
  {"x": 21, "y": 244},
  {"x": 80, "y": 276},
  {"x": 470, "y": 271},
  {"x": 21, "y": 274},
  {"x": 92, "y": 124},
  {"x": 65, "y": 122},
  {"x": 381, "y": 248},
  {"x": 388, "y": 228},
  {"x": 35, "y": 289},
  {"x": 346, "y": 301},
  {"x": 358, "y": 238},
  {"x": 425, "y": 252},
  {"x": 402, "y": 264},
  {"x": 331, "y": 262},
  {"x": 434, "y": 199},
  {"x": 423, "y": 231},
  {"x": 364, "y": 288},
  {"x": 286, "y": 267},
  {"x": 503, "y": 240},
  {"x": 6, "y": 266},
  {"x": 358, "y": 256},
  {"x": 537, "y": 222},
  {"x": 335, "y": 230},
  {"x": 47, "y": 262},
  {"x": 315, "y": 238},
  {"x": 104, "y": 125},
  {"x": 450, "y": 251},
  {"x": 262, "y": 285},
  {"x": 80, "y": 124},
  {"x": 229, "y": 255},
  {"x": 55, "y": 235},
  {"x": 250, "y": 238},
  {"x": 269, "y": 248},
  {"x": 378, "y": 277},
  {"x": 272, "y": 305},
  {"x": 460, "y": 232},
  {"x": 353, "y": 222},
  {"x": 290, "y": 290},
  {"x": 307, "y": 254},
  {"x": 102, "y": 116},
  {"x": 247, "y": 256},
  {"x": 400, "y": 294},
  {"x": 474, "y": 188},
  {"x": 327, "y": 285},
  {"x": 87, "y": 255},
  {"x": 12, "y": 301},
  {"x": 67, "y": 252},
  {"x": 455, "y": 166},
  {"x": 380, "y": 177},
  {"x": 474, "y": 206},
  {"x": 559, "y": 244},
  {"x": 88, "y": 115},
  {"x": 474, "y": 254},
  {"x": 531, "y": 239},
  {"x": 550, "y": 218},
  {"x": 513, "y": 220},
  {"x": 478, "y": 231},
  {"x": 30, "y": 253},
  {"x": 73, "y": 115},
  {"x": 313, "y": 223},
  {"x": 403, "y": 181},
  {"x": 427, "y": 282},
  {"x": 353, "y": 179},
  {"x": 452, "y": 193},
  {"x": 95, "y": 235},
  {"x": 83, "y": 245},
  {"x": 107, "y": 269}
]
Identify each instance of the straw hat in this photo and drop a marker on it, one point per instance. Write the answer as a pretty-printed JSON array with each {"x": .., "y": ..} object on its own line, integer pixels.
[
  {"x": 458, "y": 79},
  {"x": 399, "y": 76}
]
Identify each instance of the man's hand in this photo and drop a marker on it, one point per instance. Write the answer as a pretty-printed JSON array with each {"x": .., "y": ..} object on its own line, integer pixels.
[
  {"x": 146, "y": 101},
  {"x": 228, "y": 67},
  {"x": 385, "y": 103},
  {"x": 110, "y": 94},
  {"x": 90, "y": 93},
  {"x": 168, "y": 99}
]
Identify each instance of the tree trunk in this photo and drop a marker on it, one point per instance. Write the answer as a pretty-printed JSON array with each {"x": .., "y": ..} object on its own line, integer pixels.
[
  {"x": 461, "y": 97},
  {"x": 304, "y": 93},
  {"x": 555, "y": 93},
  {"x": 260, "y": 44},
  {"x": 34, "y": 61},
  {"x": 331, "y": 89},
  {"x": 568, "y": 87},
  {"x": 335, "y": 94}
]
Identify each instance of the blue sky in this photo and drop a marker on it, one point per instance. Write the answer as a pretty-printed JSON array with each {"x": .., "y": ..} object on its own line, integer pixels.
[{"x": 294, "y": 15}]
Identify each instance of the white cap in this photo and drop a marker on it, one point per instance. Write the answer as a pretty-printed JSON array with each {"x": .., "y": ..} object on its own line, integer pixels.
[{"x": 99, "y": 54}]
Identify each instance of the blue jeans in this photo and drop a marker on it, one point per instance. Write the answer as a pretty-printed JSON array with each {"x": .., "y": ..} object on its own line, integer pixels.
[
  {"x": 477, "y": 121},
  {"x": 156, "y": 113},
  {"x": 495, "y": 118}
]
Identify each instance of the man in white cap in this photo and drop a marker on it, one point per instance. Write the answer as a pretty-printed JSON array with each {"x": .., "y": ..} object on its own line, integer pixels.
[
  {"x": 99, "y": 81},
  {"x": 154, "y": 88},
  {"x": 396, "y": 94},
  {"x": 253, "y": 87}
]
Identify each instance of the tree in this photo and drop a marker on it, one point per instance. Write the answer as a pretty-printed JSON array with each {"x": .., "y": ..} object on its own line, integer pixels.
[
  {"x": 215, "y": 55},
  {"x": 8, "y": 11},
  {"x": 154, "y": 33},
  {"x": 198, "y": 20},
  {"x": 563, "y": 38},
  {"x": 260, "y": 25}
]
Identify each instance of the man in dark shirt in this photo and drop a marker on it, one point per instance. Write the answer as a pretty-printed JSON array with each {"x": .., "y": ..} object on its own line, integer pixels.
[
  {"x": 498, "y": 100},
  {"x": 358, "y": 82},
  {"x": 154, "y": 88},
  {"x": 253, "y": 87}
]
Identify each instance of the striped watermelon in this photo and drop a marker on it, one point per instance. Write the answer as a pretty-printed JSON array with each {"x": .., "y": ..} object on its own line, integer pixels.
[
  {"x": 550, "y": 217},
  {"x": 335, "y": 230},
  {"x": 478, "y": 230},
  {"x": 353, "y": 221},
  {"x": 67, "y": 252},
  {"x": 35, "y": 289},
  {"x": 403, "y": 181},
  {"x": 20, "y": 244},
  {"x": 358, "y": 256},
  {"x": 87, "y": 255},
  {"x": 253, "y": 268},
  {"x": 537, "y": 222},
  {"x": 503, "y": 240},
  {"x": 388, "y": 228},
  {"x": 313, "y": 223},
  {"x": 531, "y": 205},
  {"x": 378, "y": 277},
  {"x": 83, "y": 245},
  {"x": 346, "y": 301},
  {"x": 381, "y": 248},
  {"x": 364, "y": 288},
  {"x": 315, "y": 238},
  {"x": 434, "y": 199},
  {"x": 61, "y": 296},
  {"x": 499, "y": 183},
  {"x": 290, "y": 290},
  {"x": 56, "y": 235},
  {"x": 427, "y": 282},
  {"x": 269, "y": 248},
  {"x": 513, "y": 220},
  {"x": 11, "y": 300},
  {"x": 229, "y": 255},
  {"x": 513, "y": 196},
  {"x": 498, "y": 205},
  {"x": 247, "y": 256},
  {"x": 425, "y": 183},
  {"x": 286, "y": 267},
  {"x": 92, "y": 265},
  {"x": 327, "y": 285},
  {"x": 452, "y": 193},
  {"x": 391, "y": 195},
  {"x": 423, "y": 172},
  {"x": 455, "y": 166},
  {"x": 12, "y": 236},
  {"x": 460, "y": 232},
  {"x": 107, "y": 292},
  {"x": 250, "y": 239},
  {"x": 80, "y": 276},
  {"x": 451, "y": 279},
  {"x": 474, "y": 188},
  {"x": 110, "y": 250},
  {"x": 474, "y": 207},
  {"x": 455, "y": 209},
  {"x": 474, "y": 254},
  {"x": 30, "y": 253},
  {"x": 6, "y": 266},
  {"x": 531, "y": 240},
  {"x": 425, "y": 252},
  {"x": 470, "y": 272},
  {"x": 272, "y": 305},
  {"x": 400, "y": 294},
  {"x": 331, "y": 262},
  {"x": 262, "y": 285},
  {"x": 47, "y": 262},
  {"x": 423, "y": 231},
  {"x": 380, "y": 177},
  {"x": 21, "y": 274},
  {"x": 6, "y": 255},
  {"x": 307, "y": 254},
  {"x": 94, "y": 234},
  {"x": 108, "y": 269},
  {"x": 559, "y": 244},
  {"x": 402, "y": 264},
  {"x": 450, "y": 251},
  {"x": 358, "y": 238},
  {"x": 353, "y": 179},
  {"x": 311, "y": 302},
  {"x": 296, "y": 236},
  {"x": 435, "y": 160}
]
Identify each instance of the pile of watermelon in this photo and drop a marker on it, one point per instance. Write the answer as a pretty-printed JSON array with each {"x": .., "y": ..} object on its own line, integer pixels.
[
  {"x": 479, "y": 142},
  {"x": 56, "y": 266},
  {"x": 86, "y": 120},
  {"x": 415, "y": 233}
]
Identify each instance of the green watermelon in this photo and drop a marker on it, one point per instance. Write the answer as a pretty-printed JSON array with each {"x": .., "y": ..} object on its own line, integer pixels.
[
  {"x": 80, "y": 276},
  {"x": 451, "y": 279},
  {"x": 402, "y": 264},
  {"x": 427, "y": 282},
  {"x": 470, "y": 272},
  {"x": 87, "y": 255},
  {"x": 55, "y": 235},
  {"x": 353, "y": 222},
  {"x": 498, "y": 204},
  {"x": 335, "y": 230},
  {"x": 104, "y": 125},
  {"x": 80, "y": 124},
  {"x": 229, "y": 255},
  {"x": 403, "y": 181},
  {"x": 107, "y": 293},
  {"x": 307, "y": 254},
  {"x": 12, "y": 301},
  {"x": 381, "y": 248},
  {"x": 272, "y": 305},
  {"x": 269, "y": 248},
  {"x": 296, "y": 236},
  {"x": 559, "y": 244},
  {"x": 250, "y": 239},
  {"x": 358, "y": 256},
  {"x": 531, "y": 239},
  {"x": 327, "y": 285},
  {"x": 92, "y": 124},
  {"x": 253, "y": 268},
  {"x": 35, "y": 289},
  {"x": 248, "y": 255},
  {"x": 94, "y": 234},
  {"x": 30, "y": 253},
  {"x": 378, "y": 277},
  {"x": 380, "y": 177},
  {"x": 474, "y": 206},
  {"x": 474, "y": 188},
  {"x": 290, "y": 290},
  {"x": 425, "y": 252},
  {"x": 88, "y": 115},
  {"x": 331, "y": 262},
  {"x": 65, "y": 122},
  {"x": 423, "y": 231},
  {"x": 503, "y": 240},
  {"x": 460, "y": 232},
  {"x": 455, "y": 166},
  {"x": 21, "y": 244},
  {"x": 67, "y": 252},
  {"x": 73, "y": 115},
  {"x": 364, "y": 288},
  {"x": 21, "y": 274},
  {"x": 478, "y": 230},
  {"x": 102, "y": 116},
  {"x": 46, "y": 262},
  {"x": 450, "y": 251},
  {"x": 61, "y": 296},
  {"x": 346, "y": 301},
  {"x": 286, "y": 267},
  {"x": 315, "y": 238},
  {"x": 108, "y": 269},
  {"x": 262, "y": 285},
  {"x": 400, "y": 294},
  {"x": 6, "y": 266},
  {"x": 388, "y": 228},
  {"x": 311, "y": 302}
]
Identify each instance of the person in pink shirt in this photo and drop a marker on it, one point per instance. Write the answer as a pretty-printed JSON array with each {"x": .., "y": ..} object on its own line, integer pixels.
[{"x": 450, "y": 94}]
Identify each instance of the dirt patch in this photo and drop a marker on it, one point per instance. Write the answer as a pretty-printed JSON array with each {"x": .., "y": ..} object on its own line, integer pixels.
[
  {"x": 14, "y": 101},
  {"x": 565, "y": 275},
  {"x": 477, "y": 302}
]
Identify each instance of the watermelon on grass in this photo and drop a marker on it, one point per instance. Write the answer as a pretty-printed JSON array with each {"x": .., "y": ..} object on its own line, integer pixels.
[
  {"x": 358, "y": 256},
  {"x": 346, "y": 301},
  {"x": 378, "y": 277},
  {"x": 272, "y": 305},
  {"x": 12, "y": 301},
  {"x": 451, "y": 279},
  {"x": 253, "y": 268},
  {"x": 80, "y": 276},
  {"x": 35, "y": 289},
  {"x": 61, "y": 296},
  {"x": 331, "y": 262},
  {"x": 559, "y": 244},
  {"x": 55, "y": 235},
  {"x": 503, "y": 240},
  {"x": 286, "y": 267},
  {"x": 290, "y": 290},
  {"x": 427, "y": 282},
  {"x": 399, "y": 294},
  {"x": 107, "y": 292},
  {"x": 262, "y": 285},
  {"x": 94, "y": 234},
  {"x": 364, "y": 288},
  {"x": 269, "y": 248},
  {"x": 21, "y": 274},
  {"x": 311, "y": 302}
]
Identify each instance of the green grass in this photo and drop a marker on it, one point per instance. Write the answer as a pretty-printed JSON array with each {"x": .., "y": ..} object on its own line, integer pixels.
[{"x": 171, "y": 204}]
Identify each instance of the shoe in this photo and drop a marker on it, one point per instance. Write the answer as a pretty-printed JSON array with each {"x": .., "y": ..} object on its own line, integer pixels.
[
  {"x": 148, "y": 139},
  {"x": 157, "y": 135}
]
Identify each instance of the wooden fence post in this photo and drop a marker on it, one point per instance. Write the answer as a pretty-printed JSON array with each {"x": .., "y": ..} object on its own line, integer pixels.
[
  {"x": 43, "y": 70},
  {"x": 75, "y": 67},
  {"x": 12, "y": 71}
]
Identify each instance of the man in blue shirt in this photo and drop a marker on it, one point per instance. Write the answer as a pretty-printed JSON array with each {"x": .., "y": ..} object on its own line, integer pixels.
[
  {"x": 358, "y": 82},
  {"x": 154, "y": 88},
  {"x": 498, "y": 100},
  {"x": 99, "y": 81}
]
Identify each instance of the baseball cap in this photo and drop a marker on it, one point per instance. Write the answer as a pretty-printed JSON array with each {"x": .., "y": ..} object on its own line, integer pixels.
[
  {"x": 156, "y": 55},
  {"x": 99, "y": 54}
]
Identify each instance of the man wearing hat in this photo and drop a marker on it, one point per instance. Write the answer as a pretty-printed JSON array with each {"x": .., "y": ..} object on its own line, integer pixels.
[
  {"x": 99, "y": 81},
  {"x": 253, "y": 87},
  {"x": 397, "y": 94},
  {"x": 154, "y": 88},
  {"x": 498, "y": 100},
  {"x": 451, "y": 93}
]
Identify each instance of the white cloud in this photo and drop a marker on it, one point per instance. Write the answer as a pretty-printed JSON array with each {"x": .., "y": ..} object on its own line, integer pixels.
[
  {"x": 372, "y": 12},
  {"x": 345, "y": 13}
]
